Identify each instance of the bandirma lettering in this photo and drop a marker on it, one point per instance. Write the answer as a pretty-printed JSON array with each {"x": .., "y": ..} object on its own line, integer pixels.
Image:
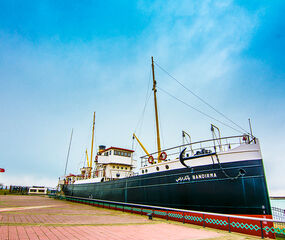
[{"x": 187, "y": 178}]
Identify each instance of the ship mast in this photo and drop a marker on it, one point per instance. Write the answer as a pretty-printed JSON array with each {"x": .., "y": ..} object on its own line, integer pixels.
[
  {"x": 156, "y": 113},
  {"x": 91, "y": 157}
]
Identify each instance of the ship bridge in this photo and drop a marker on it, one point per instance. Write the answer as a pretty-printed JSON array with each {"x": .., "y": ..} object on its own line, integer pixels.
[{"x": 114, "y": 162}]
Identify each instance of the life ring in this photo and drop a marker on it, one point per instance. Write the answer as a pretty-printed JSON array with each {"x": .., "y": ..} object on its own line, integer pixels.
[
  {"x": 163, "y": 156},
  {"x": 150, "y": 159}
]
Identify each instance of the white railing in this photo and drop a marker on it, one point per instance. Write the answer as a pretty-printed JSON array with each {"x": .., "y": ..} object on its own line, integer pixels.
[{"x": 201, "y": 147}]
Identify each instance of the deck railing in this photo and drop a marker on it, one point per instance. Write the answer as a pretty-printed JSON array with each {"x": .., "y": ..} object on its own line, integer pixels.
[
  {"x": 211, "y": 145},
  {"x": 263, "y": 227}
]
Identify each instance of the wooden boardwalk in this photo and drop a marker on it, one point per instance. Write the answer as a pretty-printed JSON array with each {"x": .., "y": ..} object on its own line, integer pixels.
[{"x": 37, "y": 217}]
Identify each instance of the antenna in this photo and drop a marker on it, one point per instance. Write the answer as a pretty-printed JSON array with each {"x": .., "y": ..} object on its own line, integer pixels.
[
  {"x": 68, "y": 152},
  {"x": 250, "y": 127}
]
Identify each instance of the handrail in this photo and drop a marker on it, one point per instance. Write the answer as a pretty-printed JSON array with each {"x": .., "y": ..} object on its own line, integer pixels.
[
  {"x": 187, "y": 144},
  {"x": 179, "y": 210},
  {"x": 262, "y": 227}
]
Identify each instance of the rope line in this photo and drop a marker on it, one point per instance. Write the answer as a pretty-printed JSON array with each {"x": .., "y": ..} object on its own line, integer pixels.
[
  {"x": 140, "y": 121},
  {"x": 202, "y": 100},
  {"x": 205, "y": 114}
]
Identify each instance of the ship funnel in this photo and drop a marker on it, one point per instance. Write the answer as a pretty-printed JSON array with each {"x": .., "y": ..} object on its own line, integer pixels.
[{"x": 102, "y": 148}]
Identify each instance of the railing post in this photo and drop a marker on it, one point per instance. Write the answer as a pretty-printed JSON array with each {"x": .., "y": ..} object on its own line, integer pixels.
[
  {"x": 261, "y": 229},
  {"x": 167, "y": 215},
  {"x": 183, "y": 217},
  {"x": 229, "y": 224},
  {"x": 203, "y": 220}
]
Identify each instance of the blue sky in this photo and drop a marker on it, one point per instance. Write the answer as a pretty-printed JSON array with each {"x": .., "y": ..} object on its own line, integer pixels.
[{"x": 60, "y": 61}]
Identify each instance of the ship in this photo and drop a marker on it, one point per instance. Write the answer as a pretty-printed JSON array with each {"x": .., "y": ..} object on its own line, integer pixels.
[{"x": 219, "y": 175}]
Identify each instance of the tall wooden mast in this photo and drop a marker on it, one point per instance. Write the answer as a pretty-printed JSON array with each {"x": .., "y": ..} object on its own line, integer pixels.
[
  {"x": 91, "y": 157},
  {"x": 156, "y": 112}
]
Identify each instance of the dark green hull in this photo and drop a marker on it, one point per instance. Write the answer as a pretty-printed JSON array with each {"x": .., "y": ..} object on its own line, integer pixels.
[{"x": 233, "y": 188}]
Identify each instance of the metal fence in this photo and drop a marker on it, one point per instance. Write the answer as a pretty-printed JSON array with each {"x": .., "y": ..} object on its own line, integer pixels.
[
  {"x": 278, "y": 214},
  {"x": 263, "y": 227}
]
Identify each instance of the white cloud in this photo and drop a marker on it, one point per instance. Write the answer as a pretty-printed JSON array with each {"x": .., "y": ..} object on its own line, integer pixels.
[{"x": 56, "y": 87}]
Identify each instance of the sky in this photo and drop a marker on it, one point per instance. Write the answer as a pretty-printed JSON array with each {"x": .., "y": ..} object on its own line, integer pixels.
[{"x": 62, "y": 60}]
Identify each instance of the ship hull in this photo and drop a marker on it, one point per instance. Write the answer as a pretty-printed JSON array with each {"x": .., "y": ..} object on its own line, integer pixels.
[{"x": 233, "y": 188}]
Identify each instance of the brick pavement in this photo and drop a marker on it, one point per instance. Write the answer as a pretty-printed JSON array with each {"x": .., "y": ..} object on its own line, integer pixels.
[{"x": 65, "y": 220}]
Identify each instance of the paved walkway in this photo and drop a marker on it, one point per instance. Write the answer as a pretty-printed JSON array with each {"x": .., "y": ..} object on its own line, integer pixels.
[{"x": 35, "y": 217}]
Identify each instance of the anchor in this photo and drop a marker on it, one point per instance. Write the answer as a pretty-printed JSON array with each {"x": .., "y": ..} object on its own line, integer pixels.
[{"x": 203, "y": 153}]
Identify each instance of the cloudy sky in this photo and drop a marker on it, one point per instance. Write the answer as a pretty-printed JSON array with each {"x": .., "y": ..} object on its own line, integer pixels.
[{"x": 62, "y": 60}]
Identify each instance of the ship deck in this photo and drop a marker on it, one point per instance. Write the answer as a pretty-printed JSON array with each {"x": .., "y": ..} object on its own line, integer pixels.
[{"x": 40, "y": 217}]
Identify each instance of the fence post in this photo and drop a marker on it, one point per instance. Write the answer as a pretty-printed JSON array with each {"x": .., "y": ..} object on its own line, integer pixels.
[
  {"x": 203, "y": 220},
  {"x": 261, "y": 229},
  {"x": 229, "y": 224}
]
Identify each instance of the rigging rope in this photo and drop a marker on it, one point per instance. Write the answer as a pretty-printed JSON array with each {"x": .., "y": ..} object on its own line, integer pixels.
[
  {"x": 140, "y": 121},
  {"x": 205, "y": 114},
  {"x": 202, "y": 100}
]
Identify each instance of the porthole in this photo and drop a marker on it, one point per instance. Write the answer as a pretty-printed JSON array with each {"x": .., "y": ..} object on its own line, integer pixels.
[
  {"x": 118, "y": 167},
  {"x": 157, "y": 168},
  {"x": 142, "y": 171},
  {"x": 113, "y": 166},
  {"x": 126, "y": 168},
  {"x": 166, "y": 166},
  {"x": 146, "y": 171},
  {"x": 122, "y": 168}
]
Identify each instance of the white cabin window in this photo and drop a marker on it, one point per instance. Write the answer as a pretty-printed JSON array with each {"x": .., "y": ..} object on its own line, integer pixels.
[{"x": 129, "y": 154}]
